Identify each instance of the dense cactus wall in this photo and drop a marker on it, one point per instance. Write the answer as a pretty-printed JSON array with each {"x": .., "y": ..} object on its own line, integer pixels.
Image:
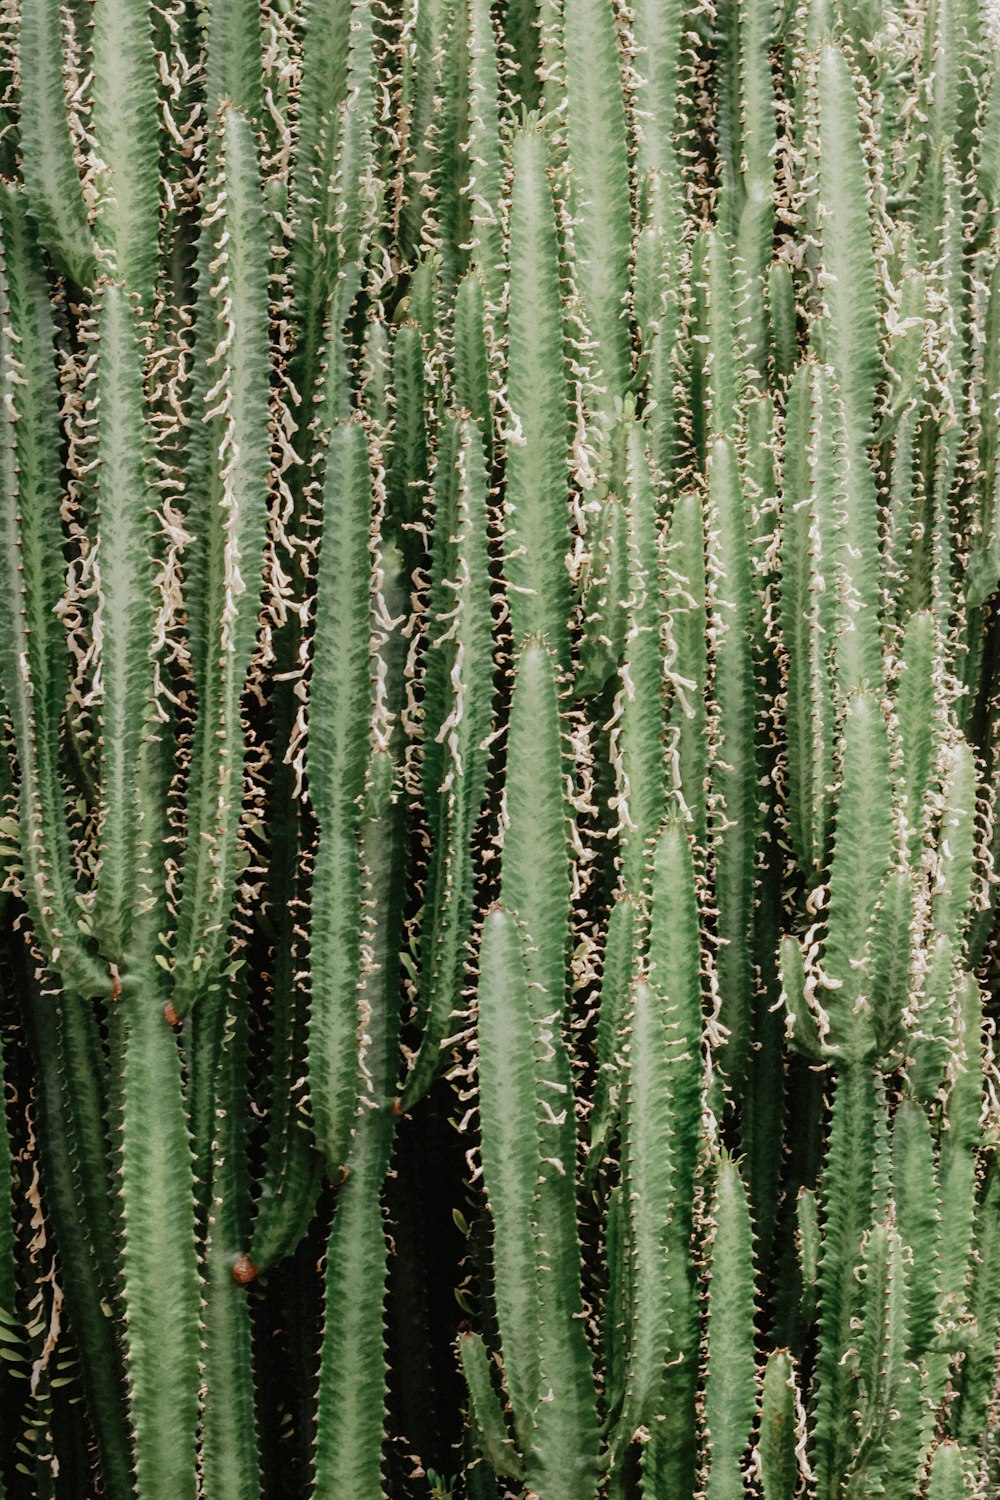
[{"x": 500, "y": 668}]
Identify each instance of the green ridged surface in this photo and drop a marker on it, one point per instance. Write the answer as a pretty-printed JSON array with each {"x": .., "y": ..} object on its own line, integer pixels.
[
  {"x": 50, "y": 171},
  {"x": 538, "y": 401},
  {"x": 159, "y": 1265},
  {"x": 125, "y": 104},
  {"x": 498, "y": 977},
  {"x": 729, "y": 1375},
  {"x": 778, "y": 1459},
  {"x": 732, "y": 772},
  {"x": 462, "y": 635},
  {"x": 508, "y": 1101},
  {"x": 340, "y": 712},
  {"x": 124, "y": 616},
  {"x": 230, "y": 528}
]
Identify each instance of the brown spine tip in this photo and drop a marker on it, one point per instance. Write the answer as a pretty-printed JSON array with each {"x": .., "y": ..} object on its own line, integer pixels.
[
  {"x": 244, "y": 1271},
  {"x": 170, "y": 1014},
  {"x": 397, "y": 1108},
  {"x": 345, "y": 1172},
  {"x": 116, "y": 981}
]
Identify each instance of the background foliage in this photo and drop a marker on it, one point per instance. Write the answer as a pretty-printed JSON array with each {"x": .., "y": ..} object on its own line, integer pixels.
[{"x": 500, "y": 678}]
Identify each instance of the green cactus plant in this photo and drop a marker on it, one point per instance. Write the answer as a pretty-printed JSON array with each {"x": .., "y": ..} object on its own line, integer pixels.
[{"x": 498, "y": 703}]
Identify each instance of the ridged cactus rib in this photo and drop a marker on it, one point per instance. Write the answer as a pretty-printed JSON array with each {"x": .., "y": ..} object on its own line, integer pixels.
[
  {"x": 687, "y": 658},
  {"x": 668, "y": 1461},
  {"x": 929, "y": 1040},
  {"x": 905, "y": 349},
  {"x": 73, "y": 1218},
  {"x": 915, "y": 1194},
  {"x": 484, "y": 188},
  {"x": 535, "y": 881},
  {"x": 649, "y": 1177},
  {"x": 408, "y": 457},
  {"x": 954, "y": 884},
  {"x": 858, "y": 646},
  {"x": 421, "y": 82},
  {"x": 537, "y": 399},
  {"x": 379, "y": 994},
  {"x": 779, "y": 1422},
  {"x": 958, "y": 1155},
  {"x": 55, "y": 192},
  {"x": 638, "y": 740},
  {"x": 604, "y": 593},
  {"x": 123, "y": 619},
  {"x": 726, "y": 371},
  {"x": 339, "y": 715},
  {"x": 659, "y": 58},
  {"x": 326, "y": 49},
  {"x": 887, "y": 1417},
  {"x": 616, "y": 1312},
  {"x": 675, "y": 968},
  {"x": 664, "y": 342},
  {"x": 807, "y": 611},
  {"x": 597, "y": 149},
  {"x": 234, "y": 513},
  {"x": 126, "y": 145},
  {"x": 916, "y": 711},
  {"x": 754, "y": 228},
  {"x": 448, "y": 218},
  {"x": 350, "y": 1402},
  {"x": 949, "y": 1476},
  {"x": 730, "y": 1386},
  {"x": 781, "y": 318},
  {"x": 647, "y": 297},
  {"x": 535, "y": 886},
  {"x": 732, "y": 772},
  {"x": 849, "y": 328},
  {"x": 616, "y": 978},
  {"x": 471, "y": 374},
  {"x": 232, "y": 57},
  {"x": 892, "y": 960},
  {"x": 230, "y": 1467},
  {"x": 508, "y": 1107},
  {"x": 160, "y": 1271},
  {"x": 293, "y": 1167},
  {"x": 847, "y": 1208},
  {"x": 357, "y": 182},
  {"x": 459, "y": 722},
  {"x": 74, "y": 1037},
  {"x": 862, "y": 857},
  {"x": 34, "y": 658},
  {"x": 443, "y": 573},
  {"x": 975, "y": 1389},
  {"x": 485, "y": 1409},
  {"x": 807, "y": 1244},
  {"x": 727, "y": 108},
  {"x": 698, "y": 353}
]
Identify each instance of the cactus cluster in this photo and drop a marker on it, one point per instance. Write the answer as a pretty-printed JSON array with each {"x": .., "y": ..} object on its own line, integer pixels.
[{"x": 500, "y": 707}]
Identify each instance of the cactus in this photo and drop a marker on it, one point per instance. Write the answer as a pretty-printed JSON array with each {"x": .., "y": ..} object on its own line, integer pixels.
[{"x": 498, "y": 735}]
